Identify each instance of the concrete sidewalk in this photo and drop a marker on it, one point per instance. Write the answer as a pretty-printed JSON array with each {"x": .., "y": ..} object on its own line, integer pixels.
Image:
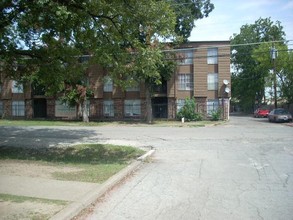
[
  {"x": 45, "y": 188},
  {"x": 79, "y": 194}
]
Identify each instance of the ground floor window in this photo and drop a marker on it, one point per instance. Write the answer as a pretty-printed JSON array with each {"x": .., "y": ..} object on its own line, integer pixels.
[
  {"x": 108, "y": 108},
  {"x": 132, "y": 108},
  {"x": 212, "y": 105},
  {"x": 63, "y": 110},
  {"x": 180, "y": 103},
  {"x": 18, "y": 108},
  {"x": 1, "y": 108}
]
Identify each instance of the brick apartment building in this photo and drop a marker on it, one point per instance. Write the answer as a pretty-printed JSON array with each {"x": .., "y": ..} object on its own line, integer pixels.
[{"x": 203, "y": 72}]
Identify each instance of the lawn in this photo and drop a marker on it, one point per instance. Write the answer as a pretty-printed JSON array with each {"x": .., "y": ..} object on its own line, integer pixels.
[{"x": 89, "y": 162}]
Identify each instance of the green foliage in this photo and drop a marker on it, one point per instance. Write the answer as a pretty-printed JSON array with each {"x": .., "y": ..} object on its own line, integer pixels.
[
  {"x": 249, "y": 78},
  {"x": 188, "y": 111},
  {"x": 216, "y": 115}
]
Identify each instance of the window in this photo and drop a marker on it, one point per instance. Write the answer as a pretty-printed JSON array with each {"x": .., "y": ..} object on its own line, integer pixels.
[
  {"x": 213, "y": 55},
  {"x": 108, "y": 108},
  {"x": 213, "y": 81},
  {"x": 186, "y": 57},
  {"x": 63, "y": 110},
  {"x": 180, "y": 104},
  {"x": 1, "y": 108},
  {"x": 212, "y": 105},
  {"x": 185, "y": 82},
  {"x": 132, "y": 108},
  {"x": 18, "y": 108},
  {"x": 17, "y": 87},
  {"x": 133, "y": 86},
  {"x": 108, "y": 84}
]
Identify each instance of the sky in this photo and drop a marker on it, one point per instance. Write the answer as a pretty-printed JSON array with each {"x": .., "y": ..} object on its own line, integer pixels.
[{"x": 229, "y": 15}]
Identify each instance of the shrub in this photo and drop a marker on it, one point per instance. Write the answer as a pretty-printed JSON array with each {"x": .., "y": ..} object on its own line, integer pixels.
[
  {"x": 216, "y": 115},
  {"x": 188, "y": 111}
]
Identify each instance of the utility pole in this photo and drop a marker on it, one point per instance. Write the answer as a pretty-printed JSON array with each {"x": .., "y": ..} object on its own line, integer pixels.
[{"x": 274, "y": 55}]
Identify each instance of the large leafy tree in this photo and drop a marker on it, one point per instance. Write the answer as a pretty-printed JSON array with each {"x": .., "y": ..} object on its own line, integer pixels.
[
  {"x": 282, "y": 66},
  {"x": 248, "y": 77},
  {"x": 46, "y": 39}
]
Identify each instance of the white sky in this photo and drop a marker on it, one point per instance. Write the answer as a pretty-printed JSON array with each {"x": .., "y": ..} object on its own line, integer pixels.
[{"x": 229, "y": 15}]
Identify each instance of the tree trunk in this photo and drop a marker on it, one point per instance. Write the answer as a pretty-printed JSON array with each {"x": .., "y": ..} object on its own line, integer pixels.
[
  {"x": 149, "y": 109},
  {"x": 85, "y": 117}
]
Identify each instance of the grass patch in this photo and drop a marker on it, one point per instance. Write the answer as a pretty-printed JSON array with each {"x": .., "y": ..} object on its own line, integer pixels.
[
  {"x": 158, "y": 122},
  {"x": 21, "y": 199},
  {"x": 77, "y": 154},
  {"x": 93, "y": 162}
]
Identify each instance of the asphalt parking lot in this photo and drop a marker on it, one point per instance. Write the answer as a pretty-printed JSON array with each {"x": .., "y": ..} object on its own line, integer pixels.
[{"x": 239, "y": 170}]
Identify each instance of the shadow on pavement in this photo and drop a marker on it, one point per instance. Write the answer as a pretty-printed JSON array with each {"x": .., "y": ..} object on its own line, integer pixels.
[{"x": 43, "y": 137}]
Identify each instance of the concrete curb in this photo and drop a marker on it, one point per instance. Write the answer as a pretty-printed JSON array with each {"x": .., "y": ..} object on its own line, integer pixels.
[{"x": 75, "y": 208}]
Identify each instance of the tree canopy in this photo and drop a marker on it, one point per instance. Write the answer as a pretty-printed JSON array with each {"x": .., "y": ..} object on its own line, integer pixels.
[
  {"x": 249, "y": 79},
  {"x": 46, "y": 39}
]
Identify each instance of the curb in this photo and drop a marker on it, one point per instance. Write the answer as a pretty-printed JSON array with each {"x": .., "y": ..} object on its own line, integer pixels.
[{"x": 75, "y": 208}]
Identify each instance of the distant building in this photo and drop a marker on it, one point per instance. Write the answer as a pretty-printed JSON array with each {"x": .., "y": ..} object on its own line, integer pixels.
[{"x": 203, "y": 72}]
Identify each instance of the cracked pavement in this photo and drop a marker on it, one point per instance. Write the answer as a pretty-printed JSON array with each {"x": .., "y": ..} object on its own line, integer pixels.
[{"x": 240, "y": 170}]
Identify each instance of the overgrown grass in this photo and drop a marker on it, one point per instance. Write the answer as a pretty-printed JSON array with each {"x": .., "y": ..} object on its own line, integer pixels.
[{"x": 95, "y": 162}]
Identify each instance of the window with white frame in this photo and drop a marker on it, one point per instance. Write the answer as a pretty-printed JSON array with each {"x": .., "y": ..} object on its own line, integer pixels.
[
  {"x": 63, "y": 110},
  {"x": 185, "y": 81},
  {"x": 108, "y": 84},
  {"x": 108, "y": 108},
  {"x": 213, "y": 55},
  {"x": 213, "y": 81},
  {"x": 132, "y": 108},
  {"x": 17, "y": 87},
  {"x": 186, "y": 57},
  {"x": 180, "y": 104},
  {"x": 212, "y": 105},
  {"x": 18, "y": 108},
  {"x": 1, "y": 108}
]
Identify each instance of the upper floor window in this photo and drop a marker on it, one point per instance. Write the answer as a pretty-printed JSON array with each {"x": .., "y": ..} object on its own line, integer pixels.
[
  {"x": 108, "y": 84},
  {"x": 133, "y": 86},
  {"x": 185, "y": 82},
  {"x": 213, "y": 81},
  {"x": 185, "y": 57},
  {"x": 213, "y": 55},
  {"x": 17, "y": 87}
]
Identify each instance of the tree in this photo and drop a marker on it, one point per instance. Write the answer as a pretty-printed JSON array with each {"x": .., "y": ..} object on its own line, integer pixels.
[
  {"x": 283, "y": 68},
  {"x": 47, "y": 38},
  {"x": 248, "y": 78}
]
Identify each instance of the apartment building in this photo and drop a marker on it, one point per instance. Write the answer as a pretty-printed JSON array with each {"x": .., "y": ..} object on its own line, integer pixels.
[{"x": 203, "y": 72}]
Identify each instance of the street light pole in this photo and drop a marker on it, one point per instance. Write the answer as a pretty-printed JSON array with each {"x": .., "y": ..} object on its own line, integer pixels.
[{"x": 274, "y": 55}]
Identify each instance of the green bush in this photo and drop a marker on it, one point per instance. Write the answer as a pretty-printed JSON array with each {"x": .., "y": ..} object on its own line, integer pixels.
[
  {"x": 216, "y": 115},
  {"x": 188, "y": 111}
]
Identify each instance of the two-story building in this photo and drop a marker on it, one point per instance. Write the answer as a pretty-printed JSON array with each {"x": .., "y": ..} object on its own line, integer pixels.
[{"x": 203, "y": 72}]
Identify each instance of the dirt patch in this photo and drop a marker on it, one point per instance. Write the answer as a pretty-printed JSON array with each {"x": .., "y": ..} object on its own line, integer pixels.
[
  {"x": 32, "y": 169},
  {"x": 28, "y": 210},
  {"x": 11, "y": 210}
]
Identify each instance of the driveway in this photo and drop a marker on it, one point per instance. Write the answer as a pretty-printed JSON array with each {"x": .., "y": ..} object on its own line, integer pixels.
[{"x": 240, "y": 170}]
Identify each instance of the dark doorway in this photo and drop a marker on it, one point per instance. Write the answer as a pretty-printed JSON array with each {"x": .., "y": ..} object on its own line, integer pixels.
[
  {"x": 40, "y": 108},
  {"x": 160, "y": 107}
]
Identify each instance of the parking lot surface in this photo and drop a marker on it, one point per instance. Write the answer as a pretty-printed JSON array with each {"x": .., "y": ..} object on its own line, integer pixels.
[{"x": 240, "y": 170}]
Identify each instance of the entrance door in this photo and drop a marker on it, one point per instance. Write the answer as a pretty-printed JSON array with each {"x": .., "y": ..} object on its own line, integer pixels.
[
  {"x": 40, "y": 108},
  {"x": 160, "y": 107}
]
